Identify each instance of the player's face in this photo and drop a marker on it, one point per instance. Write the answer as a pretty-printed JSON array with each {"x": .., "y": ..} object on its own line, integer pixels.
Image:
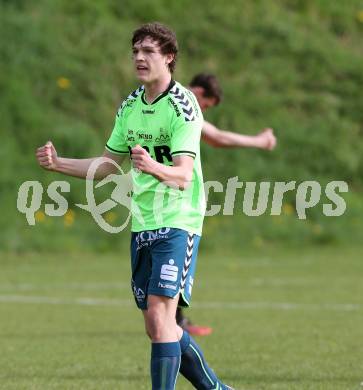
[
  {"x": 204, "y": 101},
  {"x": 150, "y": 64},
  {"x": 207, "y": 102}
]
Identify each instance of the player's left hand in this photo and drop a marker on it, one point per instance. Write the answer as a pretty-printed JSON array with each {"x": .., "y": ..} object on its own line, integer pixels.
[{"x": 142, "y": 160}]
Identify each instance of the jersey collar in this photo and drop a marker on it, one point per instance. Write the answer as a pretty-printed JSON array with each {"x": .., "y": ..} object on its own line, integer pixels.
[{"x": 170, "y": 86}]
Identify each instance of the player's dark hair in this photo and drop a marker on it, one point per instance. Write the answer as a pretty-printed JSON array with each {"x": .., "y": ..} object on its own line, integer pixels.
[
  {"x": 210, "y": 85},
  {"x": 165, "y": 37}
]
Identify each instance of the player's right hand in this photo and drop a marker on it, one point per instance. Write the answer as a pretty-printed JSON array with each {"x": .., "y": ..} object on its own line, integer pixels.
[
  {"x": 268, "y": 139},
  {"x": 47, "y": 156}
]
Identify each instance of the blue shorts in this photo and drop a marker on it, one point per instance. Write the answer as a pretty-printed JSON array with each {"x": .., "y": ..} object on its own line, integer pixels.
[{"x": 163, "y": 262}]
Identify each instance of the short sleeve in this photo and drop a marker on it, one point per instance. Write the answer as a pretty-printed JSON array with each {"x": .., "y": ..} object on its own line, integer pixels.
[
  {"x": 187, "y": 126},
  {"x": 117, "y": 141},
  {"x": 185, "y": 139}
]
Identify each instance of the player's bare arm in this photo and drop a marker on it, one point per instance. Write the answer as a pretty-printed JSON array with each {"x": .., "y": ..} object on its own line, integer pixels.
[
  {"x": 48, "y": 159},
  {"x": 227, "y": 139},
  {"x": 180, "y": 174}
]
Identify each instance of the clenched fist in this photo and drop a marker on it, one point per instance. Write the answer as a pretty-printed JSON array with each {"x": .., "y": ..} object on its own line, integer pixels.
[
  {"x": 142, "y": 160},
  {"x": 267, "y": 139},
  {"x": 47, "y": 156}
]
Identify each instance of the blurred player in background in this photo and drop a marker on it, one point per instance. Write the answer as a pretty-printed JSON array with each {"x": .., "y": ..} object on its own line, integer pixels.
[{"x": 208, "y": 92}]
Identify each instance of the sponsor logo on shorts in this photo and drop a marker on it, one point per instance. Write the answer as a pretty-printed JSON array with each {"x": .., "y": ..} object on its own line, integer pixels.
[
  {"x": 138, "y": 293},
  {"x": 172, "y": 287},
  {"x": 169, "y": 271},
  {"x": 147, "y": 237}
]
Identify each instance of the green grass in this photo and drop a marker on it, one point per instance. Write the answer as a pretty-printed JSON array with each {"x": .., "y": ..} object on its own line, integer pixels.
[
  {"x": 294, "y": 65},
  {"x": 282, "y": 319}
]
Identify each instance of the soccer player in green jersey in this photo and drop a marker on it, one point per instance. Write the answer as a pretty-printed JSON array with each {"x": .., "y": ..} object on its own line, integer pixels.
[
  {"x": 159, "y": 127},
  {"x": 208, "y": 92}
]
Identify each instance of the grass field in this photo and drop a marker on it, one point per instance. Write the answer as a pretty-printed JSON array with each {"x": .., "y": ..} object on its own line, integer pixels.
[{"x": 282, "y": 319}]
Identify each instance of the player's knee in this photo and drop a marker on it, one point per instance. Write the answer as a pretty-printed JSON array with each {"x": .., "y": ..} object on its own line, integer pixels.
[
  {"x": 155, "y": 329},
  {"x": 156, "y": 324},
  {"x": 148, "y": 333}
]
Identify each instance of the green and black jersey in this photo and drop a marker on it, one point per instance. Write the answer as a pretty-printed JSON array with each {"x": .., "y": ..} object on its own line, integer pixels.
[{"x": 168, "y": 127}]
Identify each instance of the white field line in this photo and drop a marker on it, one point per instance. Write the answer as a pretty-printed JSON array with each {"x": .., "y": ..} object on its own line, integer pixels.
[
  {"x": 282, "y": 282},
  {"x": 64, "y": 301},
  {"x": 88, "y": 301},
  {"x": 98, "y": 286},
  {"x": 65, "y": 286}
]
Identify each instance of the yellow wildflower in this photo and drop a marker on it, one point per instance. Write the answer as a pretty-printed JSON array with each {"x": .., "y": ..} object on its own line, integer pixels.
[
  {"x": 360, "y": 16},
  {"x": 288, "y": 209},
  {"x": 69, "y": 218},
  {"x": 110, "y": 216},
  {"x": 39, "y": 216},
  {"x": 317, "y": 229},
  {"x": 63, "y": 83}
]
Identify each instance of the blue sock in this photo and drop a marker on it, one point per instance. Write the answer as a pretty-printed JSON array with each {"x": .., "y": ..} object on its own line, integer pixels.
[
  {"x": 194, "y": 367},
  {"x": 165, "y": 362}
]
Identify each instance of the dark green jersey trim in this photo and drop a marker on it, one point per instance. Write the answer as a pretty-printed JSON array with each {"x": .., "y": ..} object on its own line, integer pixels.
[
  {"x": 183, "y": 152},
  {"x": 171, "y": 85},
  {"x": 115, "y": 151}
]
